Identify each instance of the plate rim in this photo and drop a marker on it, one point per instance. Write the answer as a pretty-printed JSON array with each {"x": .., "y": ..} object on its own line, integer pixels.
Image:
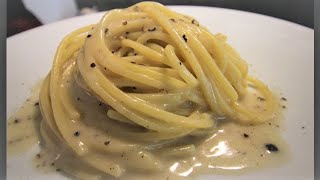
[
  {"x": 77, "y": 18},
  {"x": 171, "y": 6}
]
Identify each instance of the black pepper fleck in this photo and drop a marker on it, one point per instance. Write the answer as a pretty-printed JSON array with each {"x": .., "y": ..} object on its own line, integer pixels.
[
  {"x": 106, "y": 30},
  {"x": 283, "y": 99},
  {"x": 133, "y": 62},
  {"x": 195, "y": 22},
  {"x": 127, "y": 32},
  {"x": 152, "y": 29},
  {"x": 58, "y": 169},
  {"x": 38, "y": 156},
  {"x": 16, "y": 121},
  {"x": 261, "y": 155},
  {"x": 36, "y": 104},
  {"x": 269, "y": 124},
  {"x": 271, "y": 147},
  {"x": 245, "y": 135},
  {"x": 302, "y": 127},
  {"x": 107, "y": 143},
  {"x": 89, "y": 35},
  {"x": 92, "y": 65},
  {"x": 100, "y": 104},
  {"x": 78, "y": 99},
  {"x": 180, "y": 63},
  {"x": 173, "y": 20},
  {"x": 283, "y": 107},
  {"x": 125, "y": 23},
  {"x": 163, "y": 91},
  {"x": 76, "y": 133},
  {"x": 185, "y": 38}
]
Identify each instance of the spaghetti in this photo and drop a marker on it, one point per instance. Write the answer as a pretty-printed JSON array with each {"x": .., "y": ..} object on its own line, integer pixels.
[{"x": 155, "y": 77}]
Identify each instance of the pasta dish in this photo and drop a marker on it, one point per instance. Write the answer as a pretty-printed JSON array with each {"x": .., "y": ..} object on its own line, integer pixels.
[{"x": 143, "y": 89}]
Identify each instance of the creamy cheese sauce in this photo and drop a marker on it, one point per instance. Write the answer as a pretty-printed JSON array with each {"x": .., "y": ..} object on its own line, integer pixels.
[
  {"x": 23, "y": 125},
  {"x": 231, "y": 149}
]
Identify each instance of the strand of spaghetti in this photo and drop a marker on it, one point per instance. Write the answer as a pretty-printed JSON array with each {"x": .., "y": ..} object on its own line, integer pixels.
[
  {"x": 124, "y": 82},
  {"x": 117, "y": 103},
  {"x": 133, "y": 26},
  {"x": 223, "y": 90},
  {"x": 220, "y": 40},
  {"x": 166, "y": 71},
  {"x": 202, "y": 55},
  {"x": 154, "y": 35},
  {"x": 186, "y": 52},
  {"x": 65, "y": 94},
  {"x": 156, "y": 47},
  {"x": 253, "y": 117},
  {"x": 122, "y": 51},
  {"x": 179, "y": 66},
  {"x": 233, "y": 74},
  {"x": 63, "y": 122},
  {"x": 45, "y": 106},
  {"x": 122, "y": 14},
  {"x": 206, "y": 60},
  {"x": 119, "y": 67},
  {"x": 134, "y": 35},
  {"x": 139, "y": 59},
  {"x": 141, "y": 106},
  {"x": 130, "y": 70},
  {"x": 237, "y": 60},
  {"x": 149, "y": 53},
  {"x": 119, "y": 117}
]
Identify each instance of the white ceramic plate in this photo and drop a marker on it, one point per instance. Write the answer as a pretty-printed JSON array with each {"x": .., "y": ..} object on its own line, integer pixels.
[{"x": 280, "y": 53}]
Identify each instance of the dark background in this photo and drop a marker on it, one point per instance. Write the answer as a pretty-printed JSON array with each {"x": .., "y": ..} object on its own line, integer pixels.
[{"x": 298, "y": 11}]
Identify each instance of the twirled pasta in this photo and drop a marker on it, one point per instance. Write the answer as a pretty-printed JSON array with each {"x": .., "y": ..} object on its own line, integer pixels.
[{"x": 159, "y": 77}]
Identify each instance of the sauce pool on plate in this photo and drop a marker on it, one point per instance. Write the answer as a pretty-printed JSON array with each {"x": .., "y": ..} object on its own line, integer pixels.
[{"x": 232, "y": 149}]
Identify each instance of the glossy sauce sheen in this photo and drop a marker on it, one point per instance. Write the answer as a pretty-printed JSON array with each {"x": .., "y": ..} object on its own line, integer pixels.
[{"x": 231, "y": 149}]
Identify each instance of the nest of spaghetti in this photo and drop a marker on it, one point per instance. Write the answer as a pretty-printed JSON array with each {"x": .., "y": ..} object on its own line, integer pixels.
[{"x": 144, "y": 74}]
